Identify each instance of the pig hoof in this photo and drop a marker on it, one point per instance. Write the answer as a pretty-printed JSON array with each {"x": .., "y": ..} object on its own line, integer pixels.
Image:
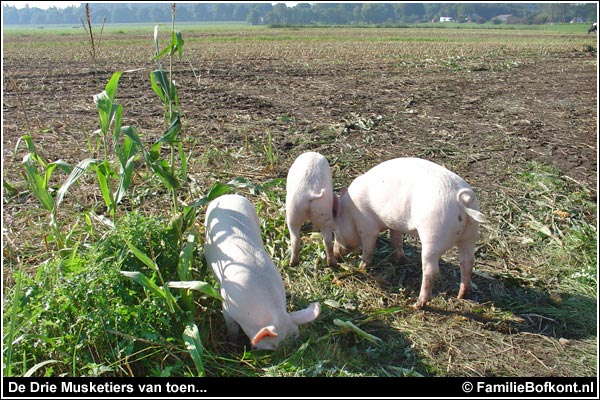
[
  {"x": 402, "y": 259},
  {"x": 332, "y": 263},
  {"x": 419, "y": 304}
]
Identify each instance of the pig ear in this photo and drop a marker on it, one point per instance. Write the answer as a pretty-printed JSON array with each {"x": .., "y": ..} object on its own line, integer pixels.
[
  {"x": 268, "y": 331},
  {"x": 308, "y": 314}
]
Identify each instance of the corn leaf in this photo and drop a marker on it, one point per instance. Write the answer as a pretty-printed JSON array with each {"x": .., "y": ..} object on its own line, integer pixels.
[
  {"x": 184, "y": 162},
  {"x": 170, "y": 136},
  {"x": 350, "y": 326},
  {"x": 156, "y": 44},
  {"x": 193, "y": 343},
  {"x": 166, "y": 50},
  {"x": 145, "y": 282},
  {"x": 111, "y": 86},
  {"x": 160, "y": 84},
  {"x": 37, "y": 183},
  {"x": 75, "y": 174},
  {"x": 37, "y": 366},
  {"x": 31, "y": 148},
  {"x": 186, "y": 256},
  {"x": 160, "y": 167},
  {"x": 118, "y": 116},
  {"x": 217, "y": 190},
  {"x": 124, "y": 180},
  {"x": 199, "y": 286},
  {"x": 103, "y": 172},
  {"x": 177, "y": 43},
  {"x": 142, "y": 257}
]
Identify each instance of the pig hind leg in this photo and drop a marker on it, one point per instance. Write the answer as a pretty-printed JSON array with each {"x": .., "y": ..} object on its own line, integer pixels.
[
  {"x": 430, "y": 260},
  {"x": 327, "y": 233},
  {"x": 397, "y": 241},
  {"x": 294, "y": 228},
  {"x": 466, "y": 257}
]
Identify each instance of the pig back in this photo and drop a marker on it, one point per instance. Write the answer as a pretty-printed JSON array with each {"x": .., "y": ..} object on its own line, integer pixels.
[
  {"x": 251, "y": 285},
  {"x": 307, "y": 177},
  {"x": 404, "y": 193},
  {"x": 232, "y": 216}
]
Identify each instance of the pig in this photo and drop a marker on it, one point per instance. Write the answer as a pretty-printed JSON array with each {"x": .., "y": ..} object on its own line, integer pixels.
[
  {"x": 414, "y": 196},
  {"x": 251, "y": 285},
  {"x": 309, "y": 197}
]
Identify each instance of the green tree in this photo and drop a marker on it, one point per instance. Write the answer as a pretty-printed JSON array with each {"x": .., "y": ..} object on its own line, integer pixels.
[
  {"x": 376, "y": 13},
  {"x": 302, "y": 14},
  {"x": 240, "y": 12},
  {"x": 253, "y": 17},
  {"x": 409, "y": 12},
  {"x": 221, "y": 12},
  {"x": 158, "y": 14},
  {"x": 10, "y": 15},
  {"x": 199, "y": 12},
  {"x": 280, "y": 13}
]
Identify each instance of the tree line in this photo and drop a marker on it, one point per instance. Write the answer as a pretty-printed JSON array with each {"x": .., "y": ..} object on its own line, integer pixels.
[{"x": 308, "y": 14}]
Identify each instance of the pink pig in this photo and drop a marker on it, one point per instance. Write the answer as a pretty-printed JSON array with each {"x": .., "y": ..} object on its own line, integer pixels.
[
  {"x": 251, "y": 285},
  {"x": 309, "y": 197},
  {"x": 414, "y": 196}
]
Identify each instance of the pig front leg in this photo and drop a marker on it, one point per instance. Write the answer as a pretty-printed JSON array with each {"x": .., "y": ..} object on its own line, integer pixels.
[
  {"x": 233, "y": 328},
  {"x": 339, "y": 251},
  {"x": 368, "y": 242}
]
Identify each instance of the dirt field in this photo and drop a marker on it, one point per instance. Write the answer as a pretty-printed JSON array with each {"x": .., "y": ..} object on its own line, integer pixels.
[
  {"x": 480, "y": 109},
  {"x": 493, "y": 112}
]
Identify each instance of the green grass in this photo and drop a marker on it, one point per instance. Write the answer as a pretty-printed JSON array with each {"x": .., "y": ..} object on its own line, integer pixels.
[
  {"x": 91, "y": 321},
  {"x": 84, "y": 314}
]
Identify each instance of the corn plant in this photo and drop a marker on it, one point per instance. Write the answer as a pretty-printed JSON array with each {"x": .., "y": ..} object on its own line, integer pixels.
[
  {"x": 110, "y": 114},
  {"x": 165, "y": 88},
  {"x": 39, "y": 184}
]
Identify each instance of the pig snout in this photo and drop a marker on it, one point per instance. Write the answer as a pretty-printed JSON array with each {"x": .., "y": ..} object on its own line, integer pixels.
[{"x": 309, "y": 197}]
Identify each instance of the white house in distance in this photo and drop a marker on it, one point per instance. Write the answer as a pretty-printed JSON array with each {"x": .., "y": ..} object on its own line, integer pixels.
[{"x": 446, "y": 19}]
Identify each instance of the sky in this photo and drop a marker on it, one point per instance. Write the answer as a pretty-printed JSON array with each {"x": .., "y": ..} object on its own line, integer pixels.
[
  {"x": 65, "y": 4},
  {"x": 42, "y": 4}
]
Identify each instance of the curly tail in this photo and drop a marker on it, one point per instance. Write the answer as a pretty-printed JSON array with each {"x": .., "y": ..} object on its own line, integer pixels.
[
  {"x": 314, "y": 196},
  {"x": 465, "y": 197}
]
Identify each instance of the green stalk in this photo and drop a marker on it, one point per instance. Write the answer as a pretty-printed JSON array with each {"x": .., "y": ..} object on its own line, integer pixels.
[
  {"x": 175, "y": 208},
  {"x": 13, "y": 324},
  {"x": 171, "y": 62},
  {"x": 58, "y": 236}
]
